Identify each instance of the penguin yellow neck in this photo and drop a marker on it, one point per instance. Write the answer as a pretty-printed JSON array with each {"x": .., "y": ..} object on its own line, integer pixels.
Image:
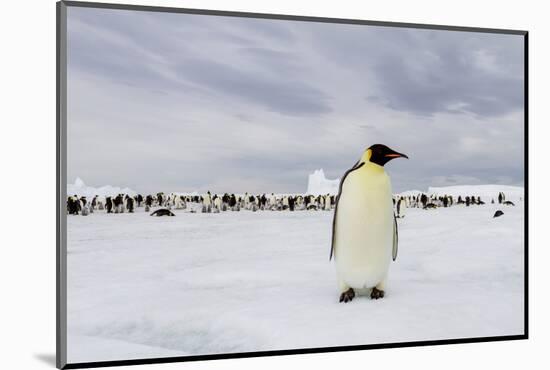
[
  {"x": 366, "y": 156},
  {"x": 368, "y": 164}
]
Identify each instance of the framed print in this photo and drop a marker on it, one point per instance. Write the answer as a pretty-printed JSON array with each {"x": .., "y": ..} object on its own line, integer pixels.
[{"x": 236, "y": 184}]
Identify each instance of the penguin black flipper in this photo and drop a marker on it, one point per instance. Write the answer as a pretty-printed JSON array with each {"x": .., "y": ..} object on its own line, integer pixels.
[
  {"x": 395, "y": 239},
  {"x": 356, "y": 166}
]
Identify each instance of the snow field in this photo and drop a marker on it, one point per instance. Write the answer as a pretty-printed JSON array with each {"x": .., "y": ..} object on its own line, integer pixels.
[{"x": 141, "y": 286}]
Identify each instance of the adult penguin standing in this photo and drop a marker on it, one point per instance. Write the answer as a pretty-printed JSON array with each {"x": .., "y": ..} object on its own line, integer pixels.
[{"x": 364, "y": 228}]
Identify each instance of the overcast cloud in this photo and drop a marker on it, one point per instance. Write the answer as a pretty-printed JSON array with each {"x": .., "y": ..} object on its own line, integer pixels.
[{"x": 177, "y": 102}]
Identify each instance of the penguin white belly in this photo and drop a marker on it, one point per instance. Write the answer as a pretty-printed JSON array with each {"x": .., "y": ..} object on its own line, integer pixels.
[{"x": 364, "y": 224}]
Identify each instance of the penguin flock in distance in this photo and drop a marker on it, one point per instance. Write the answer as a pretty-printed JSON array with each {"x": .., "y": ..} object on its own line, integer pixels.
[
  {"x": 216, "y": 203},
  {"x": 206, "y": 203},
  {"x": 124, "y": 203}
]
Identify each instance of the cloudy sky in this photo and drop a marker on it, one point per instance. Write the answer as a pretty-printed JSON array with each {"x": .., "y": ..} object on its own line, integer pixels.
[{"x": 178, "y": 102}]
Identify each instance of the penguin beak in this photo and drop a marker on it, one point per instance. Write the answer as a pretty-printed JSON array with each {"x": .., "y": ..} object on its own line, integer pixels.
[{"x": 396, "y": 155}]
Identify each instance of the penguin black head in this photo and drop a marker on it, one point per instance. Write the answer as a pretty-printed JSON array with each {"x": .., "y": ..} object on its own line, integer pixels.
[{"x": 380, "y": 154}]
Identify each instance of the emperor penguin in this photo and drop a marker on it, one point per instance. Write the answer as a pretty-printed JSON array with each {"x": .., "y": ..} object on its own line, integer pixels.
[
  {"x": 400, "y": 209},
  {"x": 218, "y": 203},
  {"x": 364, "y": 228},
  {"x": 326, "y": 201}
]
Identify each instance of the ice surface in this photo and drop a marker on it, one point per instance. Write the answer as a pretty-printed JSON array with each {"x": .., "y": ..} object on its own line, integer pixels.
[
  {"x": 141, "y": 286},
  {"x": 81, "y": 189},
  {"x": 486, "y": 192},
  {"x": 412, "y": 193},
  {"x": 318, "y": 184}
]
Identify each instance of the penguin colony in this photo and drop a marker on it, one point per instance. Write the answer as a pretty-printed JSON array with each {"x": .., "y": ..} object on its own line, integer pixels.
[{"x": 208, "y": 203}]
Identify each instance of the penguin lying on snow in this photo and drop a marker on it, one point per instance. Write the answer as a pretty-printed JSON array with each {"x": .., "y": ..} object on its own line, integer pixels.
[
  {"x": 364, "y": 228},
  {"x": 508, "y": 203},
  {"x": 498, "y": 213},
  {"x": 162, "y": 212}
]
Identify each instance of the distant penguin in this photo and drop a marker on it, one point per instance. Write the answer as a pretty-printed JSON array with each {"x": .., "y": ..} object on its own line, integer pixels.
[
  {"x": 272, "y": 201},
  {"x": 149, "y": 200},
  {"x": 291, "y": 203},
  {"x": 400, "y": 209},
  {"x": 207, "y": 202},
  {"x": 72, "y": 206},
  {"x": 130, "y": 204},
  {"x": 184, "y": 205},
  {"x": 179, "y": 202},
  {"x": 109, "y": 204},
  {"x": 85, "y": 211},
  {"x": 162, "y": 212},
  {"x": 285, "y": 203},
  {"x": 508, "y": 203},
  {"x": 364, "y": 228},
  {"x": 147, "y": 208},
  {"x": 423, "y": 200},
  {"x": 327, "y": 202},
  {"x": 498, "y": 213},
  {"x": 217, "y": 203}
]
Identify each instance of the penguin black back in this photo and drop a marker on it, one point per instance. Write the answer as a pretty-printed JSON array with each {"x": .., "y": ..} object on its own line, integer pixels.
[{"x": 162, "y": 212}]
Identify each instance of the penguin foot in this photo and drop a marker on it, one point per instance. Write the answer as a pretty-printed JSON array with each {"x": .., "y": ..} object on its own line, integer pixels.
[
  {"x": 376, "y": 293},
  {"x": 347, "y": 296}
]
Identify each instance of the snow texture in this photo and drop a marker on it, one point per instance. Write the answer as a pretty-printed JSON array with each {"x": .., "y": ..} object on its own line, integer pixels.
[{"x": 142, "y": 287}]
